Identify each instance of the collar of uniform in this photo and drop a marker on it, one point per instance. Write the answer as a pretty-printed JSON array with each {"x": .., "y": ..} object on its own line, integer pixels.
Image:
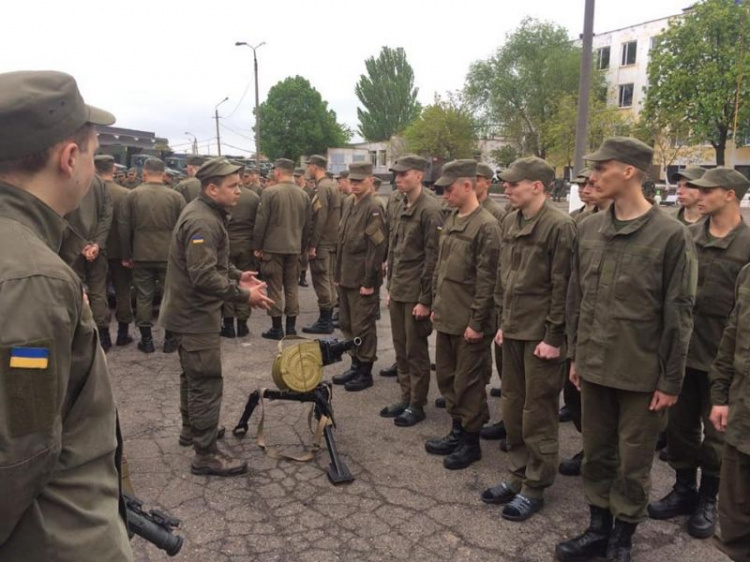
[
  {"x": 721, "y": 243},
  {"x": 409, "y": 210},
  {"x": 365, "y": 197},
  {"x": 21, "y": 206},
  {"x": 517, "y": 230},
  {"x": 608, "y": 225},
  {"x": 213, "y": 204},
  {"x": 460, "y": 223}
]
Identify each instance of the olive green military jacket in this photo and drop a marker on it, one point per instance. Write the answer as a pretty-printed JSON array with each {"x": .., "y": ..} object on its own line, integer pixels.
[
  {"x": 630, "y": 302},
  {"x": 494, "y": 209},
  {"x": 679, "y": 214},
  {"x": 149, "y": 215},
  {"x": 255, "y": 188},
  {"x": 189, "y": 188},
  {"x": 413, "y": 249},
  {"x": 326, "y": 215},
  {"x": 283, "y": 220},
  {"x": 730, "y": 372},
  {"x": 719, "y": 264},
  {"x": 200, "y": 277},
  {"x": 118, "y": 194},
  {"x": 311, "y": 192},
  {"x": 242, "y": 219},
  {"x": 90, "y": 223},
  {"x": 533, "y": 274},
  {"x": 59, "y": 482},
  {"x": 361, "y": 248},
  {"x": 464, "y": 279},
  {"x": 587, "y": 213},
  {"x": 577, "y": 212}
]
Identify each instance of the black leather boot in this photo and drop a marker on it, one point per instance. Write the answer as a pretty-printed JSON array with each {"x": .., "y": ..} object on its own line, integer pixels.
[
  {"x": 592, "y": 543},
  {"x": 446, "y": 445},
  {"x": 170, "y": 342},
  {"x": 391, "y": 371},
  {"x": 620, "y": 542},
  {"x": 242, "y": 329},
  {"x": 146, "y": 345},
  {"x": 680, "y": 501},
  {"x": 467, "y": 452},
  {"x": 303, "y": 279},
  {"x": 123, "y": 337},
  {"x": 291, "y": 325},
  {"x": 104, "y": 338},
  {"x": 276, "y": 332},
  {"x": 227, "y": 329},
  {"x": 363, "y": 378},
  {"x": 493, "y": 431},
  {"x": 571, "y": 466},
  {"x": 702, "y": 523},
  {"x": 347, "y": 375},
  {"x": 324, "y": 324}
]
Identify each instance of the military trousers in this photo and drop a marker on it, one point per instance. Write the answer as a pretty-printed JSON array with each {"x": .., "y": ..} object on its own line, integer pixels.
[
  {"x": 572, "y": 398},
  {"x": 461, "y": 372},
  {"x": 498, "y": 361},
  {"x": 357, "y": 320},
  {"x": 93, "y": 275},
  {"x": 530, "y": 405},
  {"x": 281, "y": 272},
  {"x": 240, "y": 256},
  {"x": 693, "y": 440},
  {"x": 619, "y": 437},
  {"x": 201, "y": 387},
  {"x": 412, "y": 352},
  {"x": 146, "y": 277},
  {"x": 122, "y": 280},
  {"x": 321, "y": 268},
  {"x": 304, "y": 263},
  {"x": 734, "y": 504}
]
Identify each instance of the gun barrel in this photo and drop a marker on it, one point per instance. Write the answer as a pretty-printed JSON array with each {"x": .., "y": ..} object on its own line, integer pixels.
[{"x": 155, "y": 534}]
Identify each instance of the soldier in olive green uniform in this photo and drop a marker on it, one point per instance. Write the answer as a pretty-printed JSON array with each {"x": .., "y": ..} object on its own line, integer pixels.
[
  {"x": 463, "y": 313},
  {"x": 132, "y": 181},
  {"x": 149, "y": 215},
  {"x": 240, "y": 227},
  {"x": 687, "y": 195},
  {"x": 304, "y": 261},
  {"x": 59, "y": 459},
  {"x": 583, "y": 195},
  {"x": 532, "y": 284},
  {"x": 120, "y": 275},
  {"x": 723, "y": 245},
  {"x": 730, "y": 414},
  {"x": 190, "y": 187},
  {"x": 280, "y": 233},
  {"x": 326, "y": 216},
  {"x": 200, "y": 278},
  {"x": 629, "y": 319},
  {"x": 412, "y": 254},
  {"x": 250, "y": 180},
  {"x": 359, "y": 257}
]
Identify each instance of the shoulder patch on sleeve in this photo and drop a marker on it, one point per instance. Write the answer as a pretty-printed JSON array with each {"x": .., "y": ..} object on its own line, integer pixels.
[{"x": 197, "y": 239}]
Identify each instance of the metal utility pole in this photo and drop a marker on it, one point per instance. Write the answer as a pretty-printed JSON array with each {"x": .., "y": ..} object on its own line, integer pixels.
[
  {"x": 257, "y": 97},
  {"x": 216, "y": 116},
  {"x": 194, "y": 146},
  {"x": 582, "y": 123}
]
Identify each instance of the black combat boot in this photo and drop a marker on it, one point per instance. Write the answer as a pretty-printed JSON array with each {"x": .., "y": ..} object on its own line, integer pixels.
[
  {"x": 291, "y": 325},
  {"x": 170, "y": 342},
  {"x": 592, "y": 543},
  {"x": 123, "y": 337},
  {"x": 440, "y": 402},
  {"x": 324, "y": 324},
  {"x": 571, "y": 466},
  {"x": 493, "y": 431},
  {"x": 680, "y": 501},
  {"x": 276, "y": 332},
  {"x": 146, "y": 345},
  {"x": 620, "y": 542},
  {"x": 446, "y": 445},
  {"x": 227, "y": 329},
  {"x": 702, "y": 523},
  {"x": 347, "y": 375},
  {"x": 303, "y": 279},
  {"x": 242, "y": 329},
  {"x": 467, "y": 452},
  {"x": 391, "y": 371},
  {"x": 363, "y": 378},
  {"x": 104, "y": 338}
]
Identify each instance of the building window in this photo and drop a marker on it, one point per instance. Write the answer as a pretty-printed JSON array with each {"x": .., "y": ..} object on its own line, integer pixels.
[
  {"x": 626, "y": 95},
  {"x": 602, "y": 58},
  {"x": 374, "y": 157},
  {"x": 654, "y": 42},
  {"x": 381, "y": 158},
  {"x": 628, "y": 53}
]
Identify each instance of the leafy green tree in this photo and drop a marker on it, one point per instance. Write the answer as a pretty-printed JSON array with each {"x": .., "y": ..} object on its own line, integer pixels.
[
  {"x": 693, "y": 75},
  {"x": 504, "y": 155},
  {"x": 295, "y": 120},
  {"x": 388, "y": 95},
  {"x": 444, "y": 130}
]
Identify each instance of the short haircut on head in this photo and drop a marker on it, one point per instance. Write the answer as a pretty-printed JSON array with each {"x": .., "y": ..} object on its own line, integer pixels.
[
  {"x": 154, "y": 166},
  {"x": 216, "y": 180},
  {"x": 104, "y": 166},
  {"x": 472, "y": 180},
  {"x": 34, "y": 163}
]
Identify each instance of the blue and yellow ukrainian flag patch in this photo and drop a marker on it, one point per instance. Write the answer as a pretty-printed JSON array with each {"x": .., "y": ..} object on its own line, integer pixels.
[
  {"x": 197, "y": 239},
  {"x": 29, "y": 358}
]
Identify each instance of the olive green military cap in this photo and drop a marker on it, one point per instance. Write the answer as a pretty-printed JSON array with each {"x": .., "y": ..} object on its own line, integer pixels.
[
  {"x": 530, "y": 168},
  {"x": 39, "y": 109},
  {"x": 627, "y": 150},
  {"x": 452, "y": 171},
  {"x": 284, "y": 164},
  {"x": 409, "y": 162},
  {"x": 485, "y": 170},
  {"x": 582, "y": 176},
  {"x": 299, "y": 171},
  {"x": 251, "y": 170},
  {"x": 195, "y": 161},
  {"x": 318, "y": 160},
  {"x": 329, "y": 175},
  {"x": 360, "y": 170},
  {"x": 217, "y": 168},
  {"x": 725, "y": 178},
  {"x": 104, "y": 158},
  {"x": 690, "y": 173},
  {"x": 342, "y": 174}
]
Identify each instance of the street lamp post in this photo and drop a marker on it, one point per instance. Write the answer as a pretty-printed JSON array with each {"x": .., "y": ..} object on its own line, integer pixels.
[
  {"x": 194, "y": 147},
  {"x": 216, "y": 116},
  {"x": 583, "y": 89},
  {"x": 257, "y": 116}
]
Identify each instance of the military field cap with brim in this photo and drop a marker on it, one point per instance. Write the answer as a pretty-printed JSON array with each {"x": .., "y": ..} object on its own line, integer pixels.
[
  {"x": 284, "y": 164},
  {"x": 342, "y": 174},
  {"x": 217, "y": 168},
  {"x": 690, "y": 173},
  {"x": 195, "y": 161},
  {"x": 723, "y": 177},
  {"x": 529, "y": 168},
  {"x": 409, "y": 162},
  {"x": 627, "y": 150},
  {"x": 456, "y": 169},
  {"x": 360, "y": 170},
  {"x": 104, "y": 158},
  {"x": 582, "y": 177},
  {"x": 485, "y": 171},
  {"x": 318, "y": 160},
  {"x": 299, "y": 171},
  {"x": 39, "y": 109}
]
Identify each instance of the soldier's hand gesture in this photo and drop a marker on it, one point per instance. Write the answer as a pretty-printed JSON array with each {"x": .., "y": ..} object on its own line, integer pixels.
[{"x": 719, "y": 417}]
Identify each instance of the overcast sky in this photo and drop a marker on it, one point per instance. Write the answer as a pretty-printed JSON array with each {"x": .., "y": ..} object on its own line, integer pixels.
[{"x": 163, "y": 65}]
